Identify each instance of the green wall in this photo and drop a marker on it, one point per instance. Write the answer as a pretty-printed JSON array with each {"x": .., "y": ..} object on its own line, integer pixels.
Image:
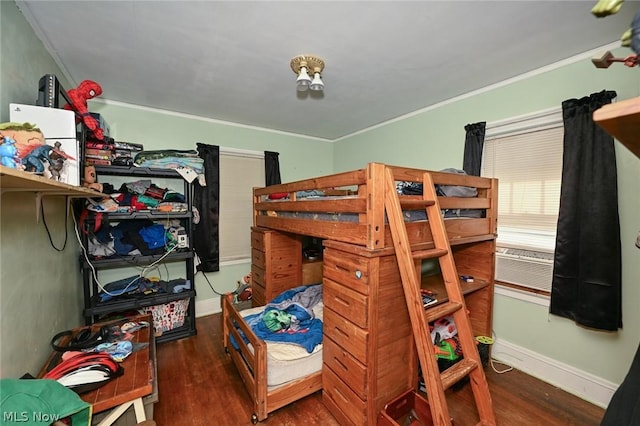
[
  {"x": 39, "y": 286},
  {"x": 434, "y": 139},
  {"x": 40, "y": 291}
]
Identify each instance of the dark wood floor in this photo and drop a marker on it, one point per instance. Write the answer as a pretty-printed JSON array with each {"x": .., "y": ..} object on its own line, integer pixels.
[{"x": 198, "y": 385}]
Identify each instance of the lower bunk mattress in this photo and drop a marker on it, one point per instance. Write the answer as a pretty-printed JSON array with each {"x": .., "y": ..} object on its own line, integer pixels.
[
  {"x": 291, "y": 327},
  {"x": 287, "y": 362}
]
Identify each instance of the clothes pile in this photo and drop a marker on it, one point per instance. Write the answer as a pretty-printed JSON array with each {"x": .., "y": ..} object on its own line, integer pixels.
[
  {"x": 141, "y": 195},
  {"x": 89, "y": 360},
  {"x": 132, "y": 238}
]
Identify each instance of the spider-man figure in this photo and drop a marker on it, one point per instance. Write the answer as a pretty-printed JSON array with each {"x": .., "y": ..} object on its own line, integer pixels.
[{"x": 86, "y": 90}]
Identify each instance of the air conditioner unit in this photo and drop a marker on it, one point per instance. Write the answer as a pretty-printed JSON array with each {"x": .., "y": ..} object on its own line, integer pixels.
[{"x": 528, "y": 268}]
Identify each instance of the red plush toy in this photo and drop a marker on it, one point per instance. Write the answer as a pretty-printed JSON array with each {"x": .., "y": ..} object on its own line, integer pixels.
[{"x": 86, "y": 90}]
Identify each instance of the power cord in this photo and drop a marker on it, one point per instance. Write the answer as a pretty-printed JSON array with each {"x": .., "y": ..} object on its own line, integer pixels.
[
  {"x": 95, "y": 274},
  {"x": 211, "y": 285},
  {"x": 44, "y": 221},
  {"x": 493, "y": 362}
]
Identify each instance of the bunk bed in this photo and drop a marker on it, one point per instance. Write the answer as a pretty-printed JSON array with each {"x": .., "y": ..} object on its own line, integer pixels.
[{"x": 368, "y": 360}]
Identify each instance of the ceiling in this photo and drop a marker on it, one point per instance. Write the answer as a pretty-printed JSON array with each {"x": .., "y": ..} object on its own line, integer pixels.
[{"x": 229, "y": 60}]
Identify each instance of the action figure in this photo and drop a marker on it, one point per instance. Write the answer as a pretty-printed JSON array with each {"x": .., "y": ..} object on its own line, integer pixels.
[
  {"x": 9, "y": 152},
  {"x": 33, "y": 161}
]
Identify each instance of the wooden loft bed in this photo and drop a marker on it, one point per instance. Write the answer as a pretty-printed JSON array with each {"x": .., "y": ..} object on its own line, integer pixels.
[
  {"x": 355, "y": 223},
  {"x": 366, "y": 208},
  {"x": 368, "y": 352}
]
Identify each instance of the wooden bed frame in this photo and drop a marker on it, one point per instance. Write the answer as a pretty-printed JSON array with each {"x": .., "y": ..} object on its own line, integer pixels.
[
  {"x": 367, "y": 236},
  {"x": 252, "y": 366},
  {"x": 370, "y": 229}
]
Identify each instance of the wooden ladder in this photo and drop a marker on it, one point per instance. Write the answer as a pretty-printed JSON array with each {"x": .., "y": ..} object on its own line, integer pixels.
[{"x": 436, "y": 383}]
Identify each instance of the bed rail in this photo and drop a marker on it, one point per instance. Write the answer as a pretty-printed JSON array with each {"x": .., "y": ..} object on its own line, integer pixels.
[{"x": 358, "y": 217}]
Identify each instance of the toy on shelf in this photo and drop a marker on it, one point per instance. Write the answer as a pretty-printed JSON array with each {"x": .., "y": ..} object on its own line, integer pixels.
[
  {"x": 57, "y": 159},
  {"x": 9, "y": 153},
  {"x": 35, "y": 160},
  {"x": 79, "y": 96},
  {"x": 91, "y": 181},
  {"x": 26, "y": 136}
]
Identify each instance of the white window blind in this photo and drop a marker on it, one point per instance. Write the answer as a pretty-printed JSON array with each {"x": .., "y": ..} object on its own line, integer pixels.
[
  {"x": 528, "y": 165},
  {"x": 240, "y": 172}
]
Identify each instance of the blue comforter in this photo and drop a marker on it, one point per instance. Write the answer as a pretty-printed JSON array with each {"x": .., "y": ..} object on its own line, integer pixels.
[{"x": 305, "y": 330}]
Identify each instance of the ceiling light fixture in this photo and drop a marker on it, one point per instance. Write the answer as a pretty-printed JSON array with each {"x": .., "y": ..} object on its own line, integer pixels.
[{"x": 303, "y": 66}]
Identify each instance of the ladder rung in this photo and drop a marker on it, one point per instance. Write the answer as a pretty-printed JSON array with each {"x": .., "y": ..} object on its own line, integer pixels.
[
  {"x": 442, "y": 310},
  {"x": 429, "y": 254},
  {"x": 416, "y": 204},
  {"x": 457, "y": 372}
]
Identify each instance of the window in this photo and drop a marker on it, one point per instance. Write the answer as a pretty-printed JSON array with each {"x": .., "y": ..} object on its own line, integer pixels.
[
  {"x": 240, "y": 172},
  {"x": 525, "y": 154}
]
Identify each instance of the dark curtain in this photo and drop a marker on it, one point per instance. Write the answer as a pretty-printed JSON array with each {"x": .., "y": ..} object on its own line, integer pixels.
[
  {"x": 207, "y": 200},
  {"x": 586, "y": 283},
  {"x": 624, "y": 407},
  {"x": 271, "y": 168},
  {"x": 473, "y": 143}
]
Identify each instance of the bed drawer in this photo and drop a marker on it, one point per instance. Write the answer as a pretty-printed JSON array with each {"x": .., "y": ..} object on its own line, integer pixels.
[
  {"x": 257, "y": 240},
  {"x": 347, "y": 269},
  {"x": 258, "y": 258},
  {"x": 346, "y": 302},
  {"x": 258, "y": 296},
  {"x": 346, "y": 334},
  {"x": 337, "y": 395},
  {"x": 257, "y": 286},
  {"x": 257, "y": 275},
  {"x": 346, "y": 367}
]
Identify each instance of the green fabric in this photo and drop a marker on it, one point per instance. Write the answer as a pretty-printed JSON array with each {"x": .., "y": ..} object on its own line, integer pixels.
[
  {"x": 276, "y": 320},
  {"x": 40, "y": 402}
]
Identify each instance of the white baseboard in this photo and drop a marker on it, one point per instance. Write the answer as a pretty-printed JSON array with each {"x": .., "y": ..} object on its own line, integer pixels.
[
  {"x": 591, "y": 388},
  {"x": 208, "y": 306}
]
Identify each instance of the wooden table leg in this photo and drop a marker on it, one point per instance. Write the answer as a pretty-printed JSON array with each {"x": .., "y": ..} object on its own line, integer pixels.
[{"x": 138, "y": 406}]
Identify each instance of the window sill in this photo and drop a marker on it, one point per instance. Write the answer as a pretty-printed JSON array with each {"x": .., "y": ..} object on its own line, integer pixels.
[{"x": 523, "y": 295}]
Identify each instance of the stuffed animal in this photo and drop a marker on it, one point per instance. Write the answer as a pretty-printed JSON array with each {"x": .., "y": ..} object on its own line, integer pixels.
[
  {"x": 86, "y": 90},
  {"x": 91, "y": 180}
]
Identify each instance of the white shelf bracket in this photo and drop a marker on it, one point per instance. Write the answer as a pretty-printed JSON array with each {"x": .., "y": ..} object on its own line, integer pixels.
[{"x": 38, "y": 203}]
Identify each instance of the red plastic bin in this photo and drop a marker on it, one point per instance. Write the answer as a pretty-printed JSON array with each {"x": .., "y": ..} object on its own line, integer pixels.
[{"x": 409, "y": 409}]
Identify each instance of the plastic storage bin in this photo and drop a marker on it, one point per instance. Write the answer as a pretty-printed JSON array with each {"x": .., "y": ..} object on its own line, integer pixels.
[
  {"x": 409, "y": 409},
  {"x": 168, "y": 316}
]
